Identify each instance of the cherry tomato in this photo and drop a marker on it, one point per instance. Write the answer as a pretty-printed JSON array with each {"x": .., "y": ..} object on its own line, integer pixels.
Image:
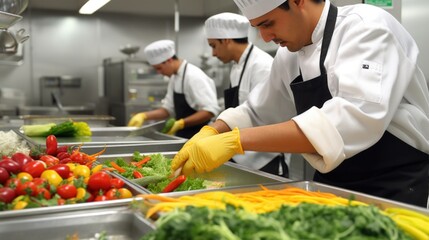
[
  {"x": 43, "y": 193},
  {"x": 67, "y": 191},
  {"x": 116, "y": 183},
  {"x": 113, "y": 193},
  {"x": 34, "y": 168},
  {"x": 10, "y": 165},
  {"x": 20, "y": 205},
  {"x": 53, "y": 177},
  {"x": 62, "y": 149},
  {"x": 41, "y": 183},
  {"x": 125, "y": 193},
  {"x": 26, "y": 188},
  {"x": 63, "y": 155},
  {"x": 62, "y": 169},
  {"x": 100, "y": 198},
  {"x": 4, "y": 175},
  {"x": 81, "y": 170},
  {"x": 21, "y": 159},
  {"x": 61, "y": 201},
  {"x": 25, "y": 176},
  {"x": 6, "y": 194},
  {"x": 13, "y": 182},
  {"x": 51, "y": 145},
  {"x": 78, "y": 157},
  {"x": 49, "y": 160},
  {"x": 82, "y": 194},
  {"x": 99, "y": 181}
]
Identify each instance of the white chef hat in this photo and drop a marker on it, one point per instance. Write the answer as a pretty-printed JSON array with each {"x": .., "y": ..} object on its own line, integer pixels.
[
  {"x": 227, "y": 26},
  {"x": 159, "y": 51},
  {"x": 256, "y": 8}
]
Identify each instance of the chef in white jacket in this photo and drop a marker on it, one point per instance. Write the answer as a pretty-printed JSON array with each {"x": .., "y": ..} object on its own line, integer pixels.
[
  {"x": 345, "y": 90},
  {"x": 191, "y": 95},
  {"x": 227, "y": 35}
]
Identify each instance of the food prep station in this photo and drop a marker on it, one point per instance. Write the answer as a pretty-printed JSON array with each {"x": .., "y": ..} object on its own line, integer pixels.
[{"x": 120, "y": 219}]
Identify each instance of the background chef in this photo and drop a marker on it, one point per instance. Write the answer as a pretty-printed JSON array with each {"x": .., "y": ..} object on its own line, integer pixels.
[
  {"x": 349, "y": 81},
  {"x": 227, "y": 35},
  {"x": 191, "y": 95}
]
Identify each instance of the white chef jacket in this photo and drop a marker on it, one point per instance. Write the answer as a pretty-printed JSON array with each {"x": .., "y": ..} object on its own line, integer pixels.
[
  {"x": 199, "y": 90},
  {"x": 374, "y": 81},
  {"x": 257, "y": 70}
]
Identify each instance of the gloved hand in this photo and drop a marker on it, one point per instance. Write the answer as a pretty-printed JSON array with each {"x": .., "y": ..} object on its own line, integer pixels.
[
  {"x": 208, "y": 153},
  {"x": 178, "y": 125},
  {"x": 137, "y": 120},
  {"x": 204, "y": 132}
]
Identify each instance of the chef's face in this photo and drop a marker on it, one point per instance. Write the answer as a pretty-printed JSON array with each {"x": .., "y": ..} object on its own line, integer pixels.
[
  {"x": 286, "y": 28},
  {"x": 220, "y": 49},
  {"x": 165, "y": 68}
]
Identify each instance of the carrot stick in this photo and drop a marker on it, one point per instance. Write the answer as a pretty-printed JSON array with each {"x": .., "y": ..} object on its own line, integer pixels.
[{"x": 117, "y": 167}]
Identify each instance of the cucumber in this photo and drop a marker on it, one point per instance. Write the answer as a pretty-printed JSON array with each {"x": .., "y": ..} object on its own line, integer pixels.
[
  {"x": 144, "y": 181},
  {"x": 168, "y": 125}
]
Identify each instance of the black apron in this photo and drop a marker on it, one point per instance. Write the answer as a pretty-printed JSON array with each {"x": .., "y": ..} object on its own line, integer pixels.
[
  {"x": 231, "y": 100},
  {"x": 390, "y": 168},
  {"x": 182, "y": 110},
  {"x": 231, "y": 94}
]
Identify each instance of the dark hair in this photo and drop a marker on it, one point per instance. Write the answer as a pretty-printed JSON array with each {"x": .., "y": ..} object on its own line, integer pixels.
[
  {"x": 244, "y": 40},
  {"x": 285, "y": 5},
  {"x": 174, "y": 57}
]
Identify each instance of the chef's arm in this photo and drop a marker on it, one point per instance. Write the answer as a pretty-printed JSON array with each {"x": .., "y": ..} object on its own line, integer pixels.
[
  {"x": 198, "y": 118},
  {"x": 157, "y": 114},
  {"x": 281, "y": 137}
]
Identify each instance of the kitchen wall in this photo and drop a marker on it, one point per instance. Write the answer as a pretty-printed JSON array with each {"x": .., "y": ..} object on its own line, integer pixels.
[{"x": 62, "y": 43}]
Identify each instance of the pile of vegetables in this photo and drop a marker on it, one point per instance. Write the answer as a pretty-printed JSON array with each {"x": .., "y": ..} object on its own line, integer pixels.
[
  {"x": 58, "y": 175},
  {"x": 304, "y": 221},
  {"x": 64, "y": 129},
  {"x": 299, "y": 213},
  {"x": 154, "y": 172}
]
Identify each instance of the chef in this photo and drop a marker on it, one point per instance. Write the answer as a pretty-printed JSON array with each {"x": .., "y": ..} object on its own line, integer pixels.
[
  {"x": 345, "y": 90},
  {"x": 191, "y": 95},
  {"x": 227, "y": 35}
]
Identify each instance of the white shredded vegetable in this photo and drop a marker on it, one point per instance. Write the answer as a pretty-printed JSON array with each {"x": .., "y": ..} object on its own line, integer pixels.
[{"x": 11, "y": 143}]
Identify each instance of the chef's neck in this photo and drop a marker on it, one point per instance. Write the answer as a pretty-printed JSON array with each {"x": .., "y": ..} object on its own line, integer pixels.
[{"x": 238, "y": 50}]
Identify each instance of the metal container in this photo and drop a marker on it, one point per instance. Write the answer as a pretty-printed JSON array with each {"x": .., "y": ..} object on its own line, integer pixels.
[
  {"x": 232, "y": 174},
  {"x": 71, "y": 207},
  {"x": 116, "y": 222},
  {"x": 381, "y": 203},
  {"x": 93, "y": 121}
]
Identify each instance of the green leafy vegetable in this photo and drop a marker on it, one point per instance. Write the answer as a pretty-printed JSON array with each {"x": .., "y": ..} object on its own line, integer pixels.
[{"x": 65, "y": 129}]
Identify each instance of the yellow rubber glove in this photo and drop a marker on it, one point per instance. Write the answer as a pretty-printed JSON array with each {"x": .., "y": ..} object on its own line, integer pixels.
[
  {"x": 177, "y": 126},
  {"x": 204, "y": 132},
  {"x": 208, "y": 153},
  {"x": 137, "y": 120}
]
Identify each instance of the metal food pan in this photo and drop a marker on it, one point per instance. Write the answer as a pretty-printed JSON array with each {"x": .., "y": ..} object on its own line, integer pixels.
[
  {"x": 381, "y": 203},
  {"x": 119, "y": 223},
  {"x": 232, "y": 174},
  {"x": 91, "y": 120},
  {"x": 110, "y": 136},
  {"x": 75, "y": 207}
]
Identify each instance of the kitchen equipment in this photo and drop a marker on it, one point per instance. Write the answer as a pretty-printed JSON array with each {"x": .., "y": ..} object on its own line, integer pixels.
[
  {"x": 129, "y": 50},
  {"x": 67, "y": 89},
  {"x": 153, "y": 127},
  {"x": 13, "y": 6},
  {"x": 8, "y": 43},
  {"x": 20, "y": 36},
  {"x": 93, "y": 121},
  {"x": 131, "y": 86}
]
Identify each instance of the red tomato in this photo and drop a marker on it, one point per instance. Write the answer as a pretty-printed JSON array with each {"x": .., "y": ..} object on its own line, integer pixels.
[
  {"x": 99, "y": 181},
  {"x": 61, "y": 201},
  {"x": 26, "y": 188},
  {"x": 62, "y": 155},
  {"x": 113, "y": 194},
  {"x": 4, "y": 175},
  {"x": 49, "y": 160},
  {"x": 13, "y": 183},
  {"x": 78, "y": 157},
  {"x": 62, "y": 149},
  {"x": 100, "y": 198},
  {"x": 34, "y": 168},
  {"x": 67, "y": 191},
  {"x": 6, "y": 194},
  {"x": 10, "y": 165},
  {"x": 21, "y": 159},
  {"x": 51, "y": 145},
  {"x": 116, "y": 183},
  {"x": 41, "y": 183},
  {"x": 43, "y": 193},
  {"x": 62, "y": 169}
]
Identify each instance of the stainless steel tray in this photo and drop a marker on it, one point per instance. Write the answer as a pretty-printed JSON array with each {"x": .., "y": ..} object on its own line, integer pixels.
[
  {"x": 232, "y": 174},
  {"x": 74, "y": 207},
  {"x": 91, "y": 120},
  {"x": 116, "y": 222},
  {"x": 381, "y": 203}
]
